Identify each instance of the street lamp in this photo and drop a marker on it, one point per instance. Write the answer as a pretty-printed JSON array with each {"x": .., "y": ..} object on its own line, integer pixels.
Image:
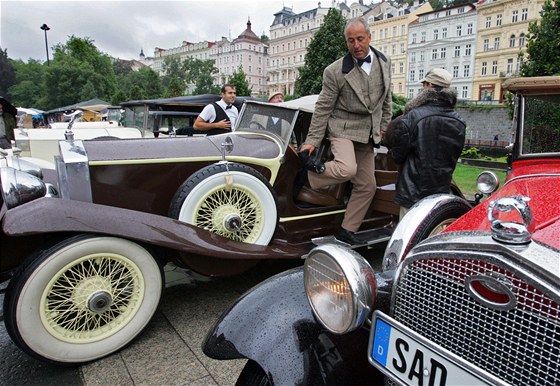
[{"x": 45, "y": 28}]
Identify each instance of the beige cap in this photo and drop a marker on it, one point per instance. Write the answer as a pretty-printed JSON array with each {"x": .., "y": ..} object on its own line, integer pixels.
[
  {"x": 273, "y": 94},
  {"x": 438, "y": 77}
]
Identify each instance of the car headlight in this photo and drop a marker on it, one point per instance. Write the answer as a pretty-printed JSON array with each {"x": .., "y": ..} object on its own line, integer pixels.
[
  {"x": 21, "y": 164},
  {"x": 487, "y": 182},
  {"x": 340, "y": 286},
  {"x": 19, "y": 187}
]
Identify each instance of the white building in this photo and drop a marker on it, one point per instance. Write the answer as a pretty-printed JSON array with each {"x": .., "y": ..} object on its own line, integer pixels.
[
  {"x": 246, "y": 52},
  {"x": 444, "y": 38},
  {"x": 199, "y": 51}
]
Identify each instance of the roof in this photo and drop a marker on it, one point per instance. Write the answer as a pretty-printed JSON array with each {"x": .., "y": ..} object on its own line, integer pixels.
[
  {"x": 92, "y": 104},
  {"x": 537, "y": 85}
]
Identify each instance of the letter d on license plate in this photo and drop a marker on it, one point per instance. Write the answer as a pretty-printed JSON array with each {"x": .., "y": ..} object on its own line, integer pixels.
[{"x": 410, "y": 359}]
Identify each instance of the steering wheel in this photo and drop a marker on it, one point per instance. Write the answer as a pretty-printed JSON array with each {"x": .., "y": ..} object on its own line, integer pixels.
[{"x": 259, "y": 126}]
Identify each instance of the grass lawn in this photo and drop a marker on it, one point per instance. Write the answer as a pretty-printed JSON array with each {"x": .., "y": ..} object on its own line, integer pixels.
[{"x": 465, "y": 177}]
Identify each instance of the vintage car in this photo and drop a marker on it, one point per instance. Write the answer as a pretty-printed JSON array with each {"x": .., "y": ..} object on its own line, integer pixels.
[
  {"x": 478, "y": 304},
  {"x": 83, "y": 245}
]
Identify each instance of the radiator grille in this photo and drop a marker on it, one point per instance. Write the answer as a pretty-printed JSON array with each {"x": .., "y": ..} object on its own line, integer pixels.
[{"x": 520, "y": 346}]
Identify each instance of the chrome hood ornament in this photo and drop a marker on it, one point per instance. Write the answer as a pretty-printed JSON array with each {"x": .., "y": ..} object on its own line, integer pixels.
[{"x": 511, "y": 220}]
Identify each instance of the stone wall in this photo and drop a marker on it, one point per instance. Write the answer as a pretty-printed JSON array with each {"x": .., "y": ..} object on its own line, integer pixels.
[{"x": 485, "y": 123}]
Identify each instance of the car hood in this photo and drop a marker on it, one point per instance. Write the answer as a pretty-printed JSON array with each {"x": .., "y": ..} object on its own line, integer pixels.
[{"x": 544, "y": 193}]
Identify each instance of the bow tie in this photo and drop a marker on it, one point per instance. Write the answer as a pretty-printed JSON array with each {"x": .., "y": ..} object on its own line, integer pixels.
[
  {"x": 228, "y": 107},
  {"x": 366, "y": 59}
]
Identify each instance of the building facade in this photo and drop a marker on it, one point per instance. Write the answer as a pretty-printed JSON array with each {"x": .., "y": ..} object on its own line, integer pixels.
[
  {"x": 443, "y": 38},
  {"x": 199, "y": 51},
  {"x": 246, "y": 52},
  {"x": 503, "y": 27}
]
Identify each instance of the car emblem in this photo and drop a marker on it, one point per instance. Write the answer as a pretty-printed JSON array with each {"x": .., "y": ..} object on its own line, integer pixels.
[
  {"x": 491, "y": 290},
  {"x": 508, "y": 227}
]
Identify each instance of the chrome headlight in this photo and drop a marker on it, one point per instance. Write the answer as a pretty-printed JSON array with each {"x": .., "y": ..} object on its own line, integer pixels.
[
  {"x": 487, "y": 182},
  {"x": 21, "y": 164},
  {"x": 340, "y": 286},
  {"x": 19, "y": 187}
]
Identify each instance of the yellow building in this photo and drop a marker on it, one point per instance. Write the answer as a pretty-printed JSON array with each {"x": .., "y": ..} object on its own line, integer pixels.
[
  {"x": 389, "y": 34},
  {"x": 502, "y": 30}
]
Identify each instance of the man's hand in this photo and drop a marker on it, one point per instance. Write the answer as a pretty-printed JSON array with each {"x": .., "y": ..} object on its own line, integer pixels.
[
  {"x": 223, "y": 124},
  {"x": 308, "y": 147}
]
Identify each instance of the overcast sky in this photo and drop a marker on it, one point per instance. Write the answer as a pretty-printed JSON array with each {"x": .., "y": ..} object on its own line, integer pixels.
[{"x": 121, "y": 28}]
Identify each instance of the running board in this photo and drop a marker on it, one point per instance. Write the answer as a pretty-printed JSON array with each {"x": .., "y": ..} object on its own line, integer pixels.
[{"x": 374, "y": 236}]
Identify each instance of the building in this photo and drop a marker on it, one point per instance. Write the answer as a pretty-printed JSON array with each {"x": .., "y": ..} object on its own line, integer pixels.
[
  {"x": 199, "y": 51},
  {"x": 246, "y": 52},
  {"x": 444, "y": 38},
  {"x": 389, "y": 33},
  {"x": 503, "y": 26}
]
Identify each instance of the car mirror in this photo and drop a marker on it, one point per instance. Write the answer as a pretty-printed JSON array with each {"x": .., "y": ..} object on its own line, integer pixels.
[{"x": 227, "y": 147}]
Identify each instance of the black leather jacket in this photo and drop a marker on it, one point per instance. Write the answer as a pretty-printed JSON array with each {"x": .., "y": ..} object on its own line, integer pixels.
[{"x": 426, "y": 142}]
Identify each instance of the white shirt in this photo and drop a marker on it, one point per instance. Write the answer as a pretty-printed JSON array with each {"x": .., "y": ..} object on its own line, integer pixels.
[
  {"x": 367, "y": 66},
  {"x": 209, "y": 113}
]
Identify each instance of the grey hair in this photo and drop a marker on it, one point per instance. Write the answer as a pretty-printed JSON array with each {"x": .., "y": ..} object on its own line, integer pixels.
[{"x": 357, "y": 20}]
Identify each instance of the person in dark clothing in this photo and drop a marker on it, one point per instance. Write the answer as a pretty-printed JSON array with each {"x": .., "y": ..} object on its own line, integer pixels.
[
  {"x": 426, "y": 141},
  {"x": 7, "y": 123},
  {"x": 219, "y": 117}
]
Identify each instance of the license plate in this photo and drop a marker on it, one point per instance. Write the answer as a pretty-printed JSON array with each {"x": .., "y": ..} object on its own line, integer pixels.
[{"x": 410, "y": 359}]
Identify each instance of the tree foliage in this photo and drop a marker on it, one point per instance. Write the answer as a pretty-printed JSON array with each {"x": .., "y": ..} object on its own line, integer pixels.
[
  {"x": 7, "y": 74},
  {"x": 28, "y": 89},
  {"x": 239, "y": 80},
  {"x": 327, "y": 45},
  {"x": 543, "y": 43}
]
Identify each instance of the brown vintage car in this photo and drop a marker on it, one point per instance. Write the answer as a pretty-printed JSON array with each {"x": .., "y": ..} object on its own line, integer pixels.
[{"x": 84, "y": 245}]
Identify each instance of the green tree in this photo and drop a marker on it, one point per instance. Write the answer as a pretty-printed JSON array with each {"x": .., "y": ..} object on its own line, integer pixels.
[
  {"x": 146, "y": 79},
  {"x": 7, "y": 74},
  {"x": 239, "y": 80},
  {"x": 88, "y": 92},
  {"x": 29, "y": 86},
  {"x": 175, "y": 88},
  {"x": 327, "y": 45},
  {"x": 543, "y": 43},
  {"x": 199, "y": 73},
  {"x": 173, "y": 69}
]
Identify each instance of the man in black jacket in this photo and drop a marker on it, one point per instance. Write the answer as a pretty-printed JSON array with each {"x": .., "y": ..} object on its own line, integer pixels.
[{"x": 426, "y": 141}]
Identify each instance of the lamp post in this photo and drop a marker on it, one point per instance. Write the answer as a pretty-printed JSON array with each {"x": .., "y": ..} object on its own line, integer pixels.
[{"x": 45, "y": 28}]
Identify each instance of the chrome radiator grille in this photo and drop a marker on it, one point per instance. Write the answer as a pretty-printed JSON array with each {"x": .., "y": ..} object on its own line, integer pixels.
[{"x": 520, "y": 346}]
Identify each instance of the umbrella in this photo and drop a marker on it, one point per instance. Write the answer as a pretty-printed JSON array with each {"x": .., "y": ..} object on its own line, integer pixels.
[{"x": 8, "y": 107}]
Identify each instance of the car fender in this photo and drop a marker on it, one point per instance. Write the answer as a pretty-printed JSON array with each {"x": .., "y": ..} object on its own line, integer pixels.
[
  {"x": 273, "y": 325},
  {"x": 400, "y": 242},
  {"x": 52, "y": 215}
]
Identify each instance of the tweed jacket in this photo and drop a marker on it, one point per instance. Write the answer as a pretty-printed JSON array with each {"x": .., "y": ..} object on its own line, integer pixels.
[{"x": 342, "y": 110}]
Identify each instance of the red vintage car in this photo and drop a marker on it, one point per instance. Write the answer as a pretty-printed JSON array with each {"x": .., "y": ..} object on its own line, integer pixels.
[{"x": 478, "y": 304}]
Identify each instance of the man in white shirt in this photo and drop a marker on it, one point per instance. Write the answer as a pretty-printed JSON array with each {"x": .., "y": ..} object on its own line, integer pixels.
[{"x": 219, "y": 117}]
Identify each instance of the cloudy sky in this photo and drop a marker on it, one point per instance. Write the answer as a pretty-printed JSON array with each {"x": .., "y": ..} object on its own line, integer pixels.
[{"x": 121, "y": 28}]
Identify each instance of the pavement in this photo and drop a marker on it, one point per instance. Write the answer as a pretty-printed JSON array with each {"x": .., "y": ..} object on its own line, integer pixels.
[{"x": 168, "y": 352}]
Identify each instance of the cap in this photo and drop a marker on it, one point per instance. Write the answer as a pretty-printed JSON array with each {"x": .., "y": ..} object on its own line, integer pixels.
[
  {"x": 438, "y": 77},
  {"x": 273, "y": 94}
]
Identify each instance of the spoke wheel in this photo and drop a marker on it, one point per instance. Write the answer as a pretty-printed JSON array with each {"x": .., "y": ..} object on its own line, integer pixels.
[{"x": 83, "y": 299}]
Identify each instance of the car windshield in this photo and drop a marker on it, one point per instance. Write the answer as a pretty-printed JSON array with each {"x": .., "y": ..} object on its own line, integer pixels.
[
  {"x": 541, "y": 124},
  {"x": 271, "y": 118}
]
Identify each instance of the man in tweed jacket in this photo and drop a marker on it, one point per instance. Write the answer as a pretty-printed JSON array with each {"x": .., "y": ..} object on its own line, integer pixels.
[{"x": 354, "y": 106}]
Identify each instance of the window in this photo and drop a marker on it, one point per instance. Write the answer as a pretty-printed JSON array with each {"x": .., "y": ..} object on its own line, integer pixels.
[
  {"x": 413, "y": 57},
  {"x": 444, "y": 33},
  {"x": 436, "y": 34},
  {"x": 494, "y": 67},
  {"x": 414, "y": 38},
  {"x": 488, "y": 21},
  {"x": 466, "y": 70},
  {"x": 468, "y": 49},
  {"x": 461, "y": 10},
  {"x": 524, "y": 14},
  {"x": 400, "y": 88},
  {"x": 484, "y": 68},
  {"x": 442, "y": 52},
  {"x": 465, "y": 92},
  {"x": 395, "y": 30},
  {"x": 518, "y": 64},
  {"x": 412, "y": 75},
  {"x": 393, "y": 49},
  {"x": 401, "y": 67},
  {"x": 402, "y": 48},
  {"x": 498, "y": 20},
  {"x": 512, "y": 41},
  {"x": 459, "y": 30},
  {"x": 422, "y": 56},
  {"x": 486, "y": 44},
  {"x": 434, "y": 53},
  {"x": 455, "y": 71},
  {"x": 469, "y": 29},
  {"x": 410, "y": 93},
  {"x": 448, "y": 12},
  {"x": 496, "y": 43},
  {"x": 522, "y": 40},
  {"x": 514, "y": 16},
  {"x": 509, "y": 66},
  {"x": 423, "y": 37},
  {"x": 393, "y": 66},
  {"x": 421, "y": 73},
  {"x": 457, "y": 51}
]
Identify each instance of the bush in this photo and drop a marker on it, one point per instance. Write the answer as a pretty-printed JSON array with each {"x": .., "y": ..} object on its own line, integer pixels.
[{"x": 473, "y": 153}]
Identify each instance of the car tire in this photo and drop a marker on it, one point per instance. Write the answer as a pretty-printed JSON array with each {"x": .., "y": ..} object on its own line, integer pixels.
[
  {"x": 242, "y": 209},
  {"x": 82, "y": 299},
  {"x": 253, "y": 375},
  {"x": 438, "y": 219}
]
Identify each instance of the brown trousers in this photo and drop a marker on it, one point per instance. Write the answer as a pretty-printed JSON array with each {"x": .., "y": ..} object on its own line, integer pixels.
[{"x": 354, "y": 162}]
